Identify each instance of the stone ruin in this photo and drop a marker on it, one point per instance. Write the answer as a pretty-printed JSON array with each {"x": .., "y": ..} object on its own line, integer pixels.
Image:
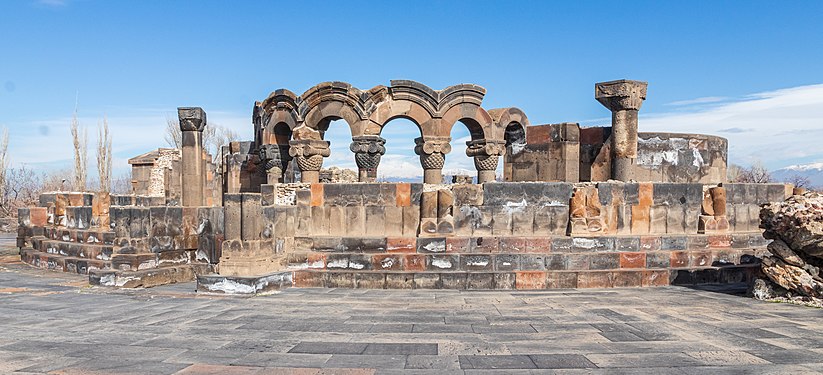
[{"x": 577, "y": 207}]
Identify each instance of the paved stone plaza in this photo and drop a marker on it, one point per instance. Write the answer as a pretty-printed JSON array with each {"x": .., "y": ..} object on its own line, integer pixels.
[{"x": 54, "y": 323}]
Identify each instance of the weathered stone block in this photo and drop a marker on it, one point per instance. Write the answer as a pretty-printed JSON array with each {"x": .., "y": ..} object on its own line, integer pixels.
[
  {"x": 431, "y": 245},
  {"x": 415, "y": 262},
  {"x": 532, "y": 262},
  {"x": 441, "y": 263},
  {"x": 529, "y": 280},
  {"x": 427, "y": 281},
  {"x": 401, "y": 244},
  {"x": 512, "y": 245},
  {"x": 393, "y": 220},
  {"x": 355, "y": 220},
  {"x": 604, "y": 261},
  {"x": 457, "y": 245},
  {"x": 375, "y": 220},
  {"x": 674, "y": 243},
  {"x": 468, "y": 195},
  {"x": 387, "y": 262},
  {"x": 633, "y": 260},
  {"x": 504, "y": 280},
  {"x": 370, "y": 280},
  {"x": 338, "y": 280},
  {"x": 411, "y": 221},
  {"x": 476, "y": 262},
  {"x": 399, "y": 281}
]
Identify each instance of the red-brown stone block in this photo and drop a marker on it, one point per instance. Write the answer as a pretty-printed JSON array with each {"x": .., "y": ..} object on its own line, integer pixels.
[
  {"x": 530, "y": 280},
  {"x": 632, "y": 260},
  {"x": 512, "y": 245},
  {"x": 720, "y": 241},
  {"x": 403, "y": 194},
  {"x": 457, "y": 244},
  {"x": 414, "y": 262},
  {"x": 679, "y": 259},
  {"x": 308, "y": 279},
  {"x": 655, "y": 278},
  {"x": 539, "y": 245},
  {"x": 387, "y": 262},
  {"x": 316, "y": 195},
  {"x": 38, "y": 216}
]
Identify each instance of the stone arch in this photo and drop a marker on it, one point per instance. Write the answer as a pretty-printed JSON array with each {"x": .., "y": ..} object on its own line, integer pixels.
[
  {"x": 330, "y": 101},
  {"x": 509, "y": 122},
  {"x": 474, "y": 117},
  {"x": 278, "y": 110}
]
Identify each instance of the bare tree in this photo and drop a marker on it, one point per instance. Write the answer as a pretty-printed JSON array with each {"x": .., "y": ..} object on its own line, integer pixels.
[
  {"x": 214, "y": 138},
  {"x": 4, "y": 164},
  {"x": 104, "y": 155},
  {"x": 122, "y": 184},
  {"x": 733, "y": 172},
  {"x": 173, "y": 135},
  {"x": 799, "y": 181},
  {"x": 756, "y": 173},
  {"x": 80, "y": 152}
]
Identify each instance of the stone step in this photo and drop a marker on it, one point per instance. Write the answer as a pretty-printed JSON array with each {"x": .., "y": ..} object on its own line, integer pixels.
[
  {"x": 73, "y": 249},
  {"x": 94, "y": 236},
  {"x": 144, "y": 261},
  {"x": 148, "y": 278},
  {"x": 62, "y": 263}
]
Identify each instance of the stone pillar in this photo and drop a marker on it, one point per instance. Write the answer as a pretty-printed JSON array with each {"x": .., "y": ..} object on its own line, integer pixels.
[
  {"x": 624, "y": 99},
  {"x": 192, "y": 123},
  {"x": 432, "y": 151},
  {"x": 309, "y": 154},
  {"x": 367, "y": 149},
  {"x": 486, "y": 155},
  {"x": 275, "y": 159}
]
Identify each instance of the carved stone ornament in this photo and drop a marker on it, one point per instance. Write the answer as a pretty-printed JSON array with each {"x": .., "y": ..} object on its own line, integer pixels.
[
  {"x": 621, "y": 95},
  {"x": 432, "y": 145},
  {"x": 191, "y": 118}
]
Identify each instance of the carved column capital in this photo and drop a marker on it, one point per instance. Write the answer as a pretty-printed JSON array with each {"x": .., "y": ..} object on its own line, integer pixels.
[
  {"x": 368, "y": 149},
  {"x": 274, "y": 159},
  {"x": 309, "y": 153},
  {"x": 483, "y": 147},
  {"x": 621, "y": 95},
  {"x": 432, "y": 145},
  {"x": 191, "y": 118}
]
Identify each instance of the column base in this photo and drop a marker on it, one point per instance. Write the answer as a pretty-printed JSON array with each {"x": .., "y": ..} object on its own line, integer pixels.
[
  {"x": 432, "y": 176},
  {"x": 486, "y": 176},
  {"x": 622, "y": 169},
  {"x": 310, "y": 177}
]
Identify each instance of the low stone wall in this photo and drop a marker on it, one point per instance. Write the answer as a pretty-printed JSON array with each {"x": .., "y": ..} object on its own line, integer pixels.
[
  {"x": 492, "y": 235},
  {"x": 661, "y": 157}
]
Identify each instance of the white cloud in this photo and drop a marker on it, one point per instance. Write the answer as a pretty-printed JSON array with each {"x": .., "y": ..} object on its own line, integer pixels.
[
  {"x": 779, "y": 127},
  {"x": 703, "y": 100}
]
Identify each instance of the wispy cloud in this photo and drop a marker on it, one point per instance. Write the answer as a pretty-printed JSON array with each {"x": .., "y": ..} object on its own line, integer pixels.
[
  {"x": 52, "y": 3},
  {"x": 774, "y": 127},
  {"x": 703, "y": 100}
]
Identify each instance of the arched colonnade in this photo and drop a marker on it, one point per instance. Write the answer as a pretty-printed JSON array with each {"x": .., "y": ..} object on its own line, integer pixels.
[{"x": 289, "y": 126}]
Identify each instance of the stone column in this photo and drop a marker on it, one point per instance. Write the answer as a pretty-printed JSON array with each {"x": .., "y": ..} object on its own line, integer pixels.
[
  {"x": 275, "y": 158},
  {"x": 192, "y": 123},
  {"x": 309, "y": 154},
  {"x": 432, "y": 151},
  {"x": 624, "y": 99},
  {"x": 486, "y": 155},
  {"x": 367, "y": 149}
]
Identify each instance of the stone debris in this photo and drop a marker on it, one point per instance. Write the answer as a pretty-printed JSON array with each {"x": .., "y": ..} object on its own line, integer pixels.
[
  {"x": 336, "y": 175},
  {"x": 793, "y": 268},
  {"x": 286, "y": 194}
]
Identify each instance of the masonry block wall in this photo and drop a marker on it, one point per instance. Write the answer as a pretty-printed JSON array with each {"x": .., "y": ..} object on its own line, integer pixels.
[
  {"x": 492, "y": 236},
  {"x": 106, "y": 234},
  {"x": 566, "y": 152}
]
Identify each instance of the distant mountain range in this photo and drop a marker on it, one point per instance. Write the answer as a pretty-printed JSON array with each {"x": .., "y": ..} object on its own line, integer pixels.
[{"x": 812, "y": 171}]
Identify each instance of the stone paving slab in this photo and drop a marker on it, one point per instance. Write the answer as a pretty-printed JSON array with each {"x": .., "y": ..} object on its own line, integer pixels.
[{"x": 52, "y": 323}]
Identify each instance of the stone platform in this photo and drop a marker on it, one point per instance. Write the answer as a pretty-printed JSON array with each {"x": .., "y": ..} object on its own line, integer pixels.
[{"x": 54, "y": 323}]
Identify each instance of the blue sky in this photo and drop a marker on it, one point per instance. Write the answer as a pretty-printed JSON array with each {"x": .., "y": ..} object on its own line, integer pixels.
[{"x": 749, "y": 71}]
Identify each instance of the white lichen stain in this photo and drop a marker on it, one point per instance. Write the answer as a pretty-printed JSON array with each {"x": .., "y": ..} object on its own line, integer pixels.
[
  {"x": 357, "y": 266},
  {"x": 434, "y": 247},
  {"x": 586, "y": 243},
  {"x": 231, "y": 287},
  {"x": 442, "y": 263}
]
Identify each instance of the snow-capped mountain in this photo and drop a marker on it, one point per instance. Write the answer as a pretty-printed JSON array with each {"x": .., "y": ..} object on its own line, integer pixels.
[{"x": 812, "y": 171}]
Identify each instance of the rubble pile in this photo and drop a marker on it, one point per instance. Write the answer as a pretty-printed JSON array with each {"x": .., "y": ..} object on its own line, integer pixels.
[
  {"x": 337, "y": 175},
  {"x": 796, "y": 252}
]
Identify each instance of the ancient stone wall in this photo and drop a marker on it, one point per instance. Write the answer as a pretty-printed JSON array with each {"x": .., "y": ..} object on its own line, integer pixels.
[
  {"x": 661, "y": 157},
  {"x": 496, "y": 235}
]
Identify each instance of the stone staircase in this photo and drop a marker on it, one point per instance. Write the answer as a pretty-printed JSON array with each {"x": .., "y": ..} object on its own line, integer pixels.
[{"x": 107, "y": 260}]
